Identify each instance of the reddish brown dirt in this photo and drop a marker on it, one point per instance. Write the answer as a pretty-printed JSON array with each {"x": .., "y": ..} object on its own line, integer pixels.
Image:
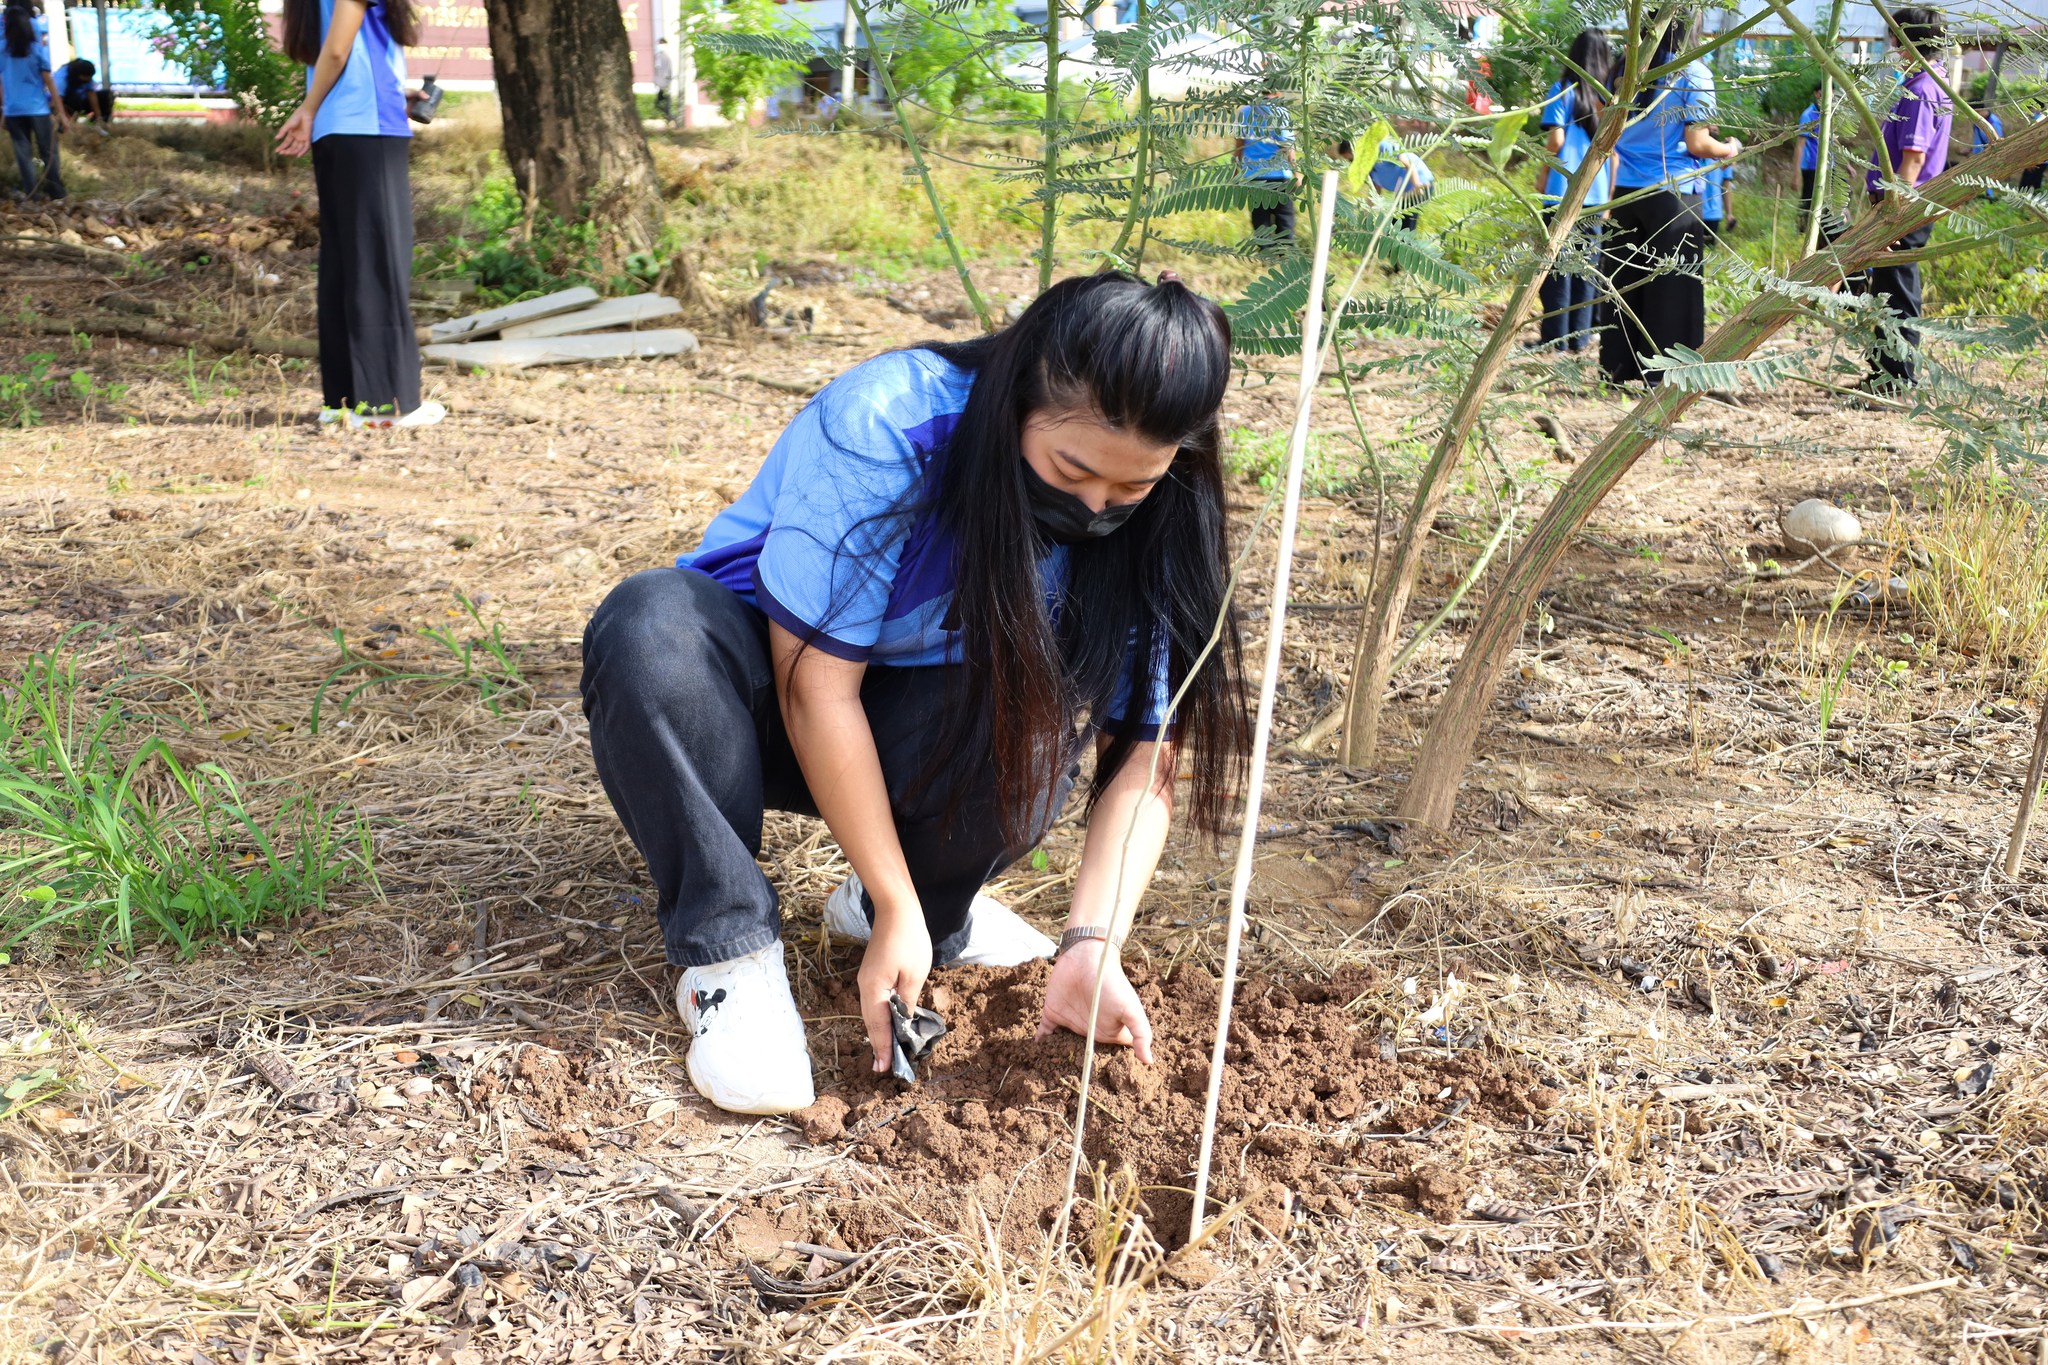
[{"x": 1306, "y": 1084}]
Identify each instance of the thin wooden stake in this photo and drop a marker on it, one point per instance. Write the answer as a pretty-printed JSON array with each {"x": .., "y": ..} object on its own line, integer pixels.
[
  {"x": 1262, "y": 729},
  {"x": 2016, "y": 851}
]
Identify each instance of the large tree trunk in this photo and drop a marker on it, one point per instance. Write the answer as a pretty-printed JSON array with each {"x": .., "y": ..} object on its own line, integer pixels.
[
  {"x": 1447, "y": 748},
  {"x": 572, "y": 129}
]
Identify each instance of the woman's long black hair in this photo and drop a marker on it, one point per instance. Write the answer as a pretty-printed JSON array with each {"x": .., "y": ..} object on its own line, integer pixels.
[
  {"x": 302, "y": 26},
  {"x": 1152, "y": 360},
  {"x": 1589, "y": 69},
  {"x": 20, "y": 29},
  {"x": 1675, "y": 37}
]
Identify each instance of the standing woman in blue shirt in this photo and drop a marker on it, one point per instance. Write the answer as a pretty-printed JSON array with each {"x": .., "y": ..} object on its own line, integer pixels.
[
  {"x": 1656, "y": 238},
  {"x": 1571, "y": 115},
  {"x": 35, "y": 116},
  {"x": 1265, "y": 157},
  {"x": 960, "y": 564},
  {"x": 353, "y": 120}
]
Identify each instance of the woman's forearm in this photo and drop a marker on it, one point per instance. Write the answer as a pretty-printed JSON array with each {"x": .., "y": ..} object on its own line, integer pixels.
[
  {"x": 1126, "y": 835},
  {"x": 836, "y": 750},
  {"x": 326, "y": 71}
]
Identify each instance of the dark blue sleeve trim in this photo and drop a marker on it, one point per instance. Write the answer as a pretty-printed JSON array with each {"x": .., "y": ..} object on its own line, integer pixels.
[
  {"x": 802, "y": 629},
  {"x": 1144, "y": 734}
]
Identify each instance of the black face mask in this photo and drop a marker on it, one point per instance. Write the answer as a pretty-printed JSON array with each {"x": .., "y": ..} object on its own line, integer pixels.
[{"x": 1064, "y": 518}]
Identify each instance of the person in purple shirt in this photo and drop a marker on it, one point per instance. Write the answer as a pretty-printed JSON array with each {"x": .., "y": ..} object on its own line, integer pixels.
[{"x": 1916, "y": 133}]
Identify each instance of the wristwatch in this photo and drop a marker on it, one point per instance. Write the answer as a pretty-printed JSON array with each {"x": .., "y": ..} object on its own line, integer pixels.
[{"x": 1082, "y": 933}]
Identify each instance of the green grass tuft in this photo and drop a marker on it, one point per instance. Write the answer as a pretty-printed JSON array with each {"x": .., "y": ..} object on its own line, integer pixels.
[{"x": 108, "y": 839}]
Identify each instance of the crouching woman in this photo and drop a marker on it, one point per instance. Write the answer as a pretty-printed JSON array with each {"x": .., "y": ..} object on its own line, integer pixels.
[{"x": 959, "y": 563}]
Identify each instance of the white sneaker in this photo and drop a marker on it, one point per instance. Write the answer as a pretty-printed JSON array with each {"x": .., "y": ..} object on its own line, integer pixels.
[
  {"x": 748, "y": 1056},
  {"x": 425, "y": 415},
  {"x": 997, "y": 936}
]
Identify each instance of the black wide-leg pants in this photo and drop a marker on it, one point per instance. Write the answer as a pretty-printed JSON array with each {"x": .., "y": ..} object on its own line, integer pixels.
[
  {"x": 369, "y": 356},
  {"x": 1657, "y": 295},
  {"x": 689, "y": 742}
]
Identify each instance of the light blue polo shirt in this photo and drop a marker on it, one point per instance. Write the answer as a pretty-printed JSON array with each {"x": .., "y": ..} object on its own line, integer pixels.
[
  {"x": 829, "y": 541},
  {"x": 1267, "y": 134},
  {"x": 1652, "y": 146},
  {"x": 369, "y": 98},
  {"x": 21, "y": 81},
  {"x": 1809, "y": 141},
  {"x": 1561, "y": 110}
]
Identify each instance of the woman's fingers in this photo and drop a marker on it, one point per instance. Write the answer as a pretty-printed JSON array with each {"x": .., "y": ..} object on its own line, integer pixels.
[{"x": 881, "y": 1029}]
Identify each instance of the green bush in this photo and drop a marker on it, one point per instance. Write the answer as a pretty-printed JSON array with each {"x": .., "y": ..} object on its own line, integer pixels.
[
  {"x": 108, "y": 838},
  {"x": 228, "y": 43},
  {"x": 511, "y": 261}
]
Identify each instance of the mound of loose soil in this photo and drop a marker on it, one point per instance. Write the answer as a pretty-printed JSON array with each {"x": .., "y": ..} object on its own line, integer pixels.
[{"x": 1308, "y": 1080}]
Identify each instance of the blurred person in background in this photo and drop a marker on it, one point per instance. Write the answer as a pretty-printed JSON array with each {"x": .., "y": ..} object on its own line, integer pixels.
[
  {"x": 1916, "y": 133},
  {"x": 1656, "y": 235},
  {"x": 1265, "y": 157},
  {"x": 353, "y": 120},
  {"x": 1571, "y": 117},
  {"x": 34, "y": 114}
]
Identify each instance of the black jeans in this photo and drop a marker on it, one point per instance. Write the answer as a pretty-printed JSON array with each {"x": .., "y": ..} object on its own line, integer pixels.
[
  {"x": 36, "y": 135},
  {"x": 1897, "y": 287},
  {"x": 1275, "y": 221},
  {"x": 1568, "y": 294},
  {"x": 690, "y": 746},
  {"x": 369, "y": 354}
]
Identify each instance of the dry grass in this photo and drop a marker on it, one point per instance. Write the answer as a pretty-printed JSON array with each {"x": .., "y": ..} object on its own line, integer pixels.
[{"x": 1985, "y": 592}]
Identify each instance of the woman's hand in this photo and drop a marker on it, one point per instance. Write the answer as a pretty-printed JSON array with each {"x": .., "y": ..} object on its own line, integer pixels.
[
  {"x": 295, "y": 138},
  {"x": 898, "y": 959},
  {"x": 1121, "y": 1018}
]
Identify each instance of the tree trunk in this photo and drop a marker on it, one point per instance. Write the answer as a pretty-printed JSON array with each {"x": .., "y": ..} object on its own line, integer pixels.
[
  {"x": 1447, "y": 748},
  {"x": 1379, "y": 634},
  {"x": 572, "y": 129}
]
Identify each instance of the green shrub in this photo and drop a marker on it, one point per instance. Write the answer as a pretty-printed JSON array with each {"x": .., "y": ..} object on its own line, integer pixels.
[
  {"x": 228, "y": 43},
  {"x": 108, "y": 838}
]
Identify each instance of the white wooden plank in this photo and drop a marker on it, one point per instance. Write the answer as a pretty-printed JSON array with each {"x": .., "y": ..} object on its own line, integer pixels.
[
  {"x": 610, "y": 313},
  {"x": 484, "y": 324},
  {"x": 517, "y": 355}
]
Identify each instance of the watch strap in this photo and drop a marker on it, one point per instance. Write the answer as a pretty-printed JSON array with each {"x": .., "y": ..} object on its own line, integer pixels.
[{"x": 1082, "y": 933}]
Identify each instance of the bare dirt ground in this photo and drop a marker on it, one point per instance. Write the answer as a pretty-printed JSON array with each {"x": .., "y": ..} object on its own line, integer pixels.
[{"x": 1704, "y": 1033}]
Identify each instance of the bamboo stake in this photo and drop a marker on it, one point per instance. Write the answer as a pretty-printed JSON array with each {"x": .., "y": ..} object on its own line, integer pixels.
[
  {"x": 2016, "y": 851},
  {"x": 1262, "y": 728}
]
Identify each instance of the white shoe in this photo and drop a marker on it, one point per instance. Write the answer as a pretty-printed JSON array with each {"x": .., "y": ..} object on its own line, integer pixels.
[
  {"x": 425, "y": 415},
  {"x": 997, "y": 936},
  {"x": 748, "y": 1055}
]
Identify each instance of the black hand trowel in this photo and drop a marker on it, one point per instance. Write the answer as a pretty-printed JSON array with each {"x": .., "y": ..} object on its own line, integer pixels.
[{"x": 917, "y": 1031}]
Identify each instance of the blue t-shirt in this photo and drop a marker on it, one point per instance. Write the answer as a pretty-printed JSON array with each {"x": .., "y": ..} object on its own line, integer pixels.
[
  {"x": 1652, "y": 145},
  {"x": 1978, "y": 142},
  {"x": 65, "y": 87},
  {"x": 369, "y": 97},
  {"x": 1400, "y": 172},
  {"x": 820, "y": 542},
  {"x": 1267, "y": 134},
  {"x": 1809, "y": 142},
  {"x": 1560, "y": 110},
  {"x": 22, "y": 91}
]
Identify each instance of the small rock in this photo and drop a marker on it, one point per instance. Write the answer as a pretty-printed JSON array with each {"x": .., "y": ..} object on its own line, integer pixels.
[{"x": 1815, "y": 526}]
